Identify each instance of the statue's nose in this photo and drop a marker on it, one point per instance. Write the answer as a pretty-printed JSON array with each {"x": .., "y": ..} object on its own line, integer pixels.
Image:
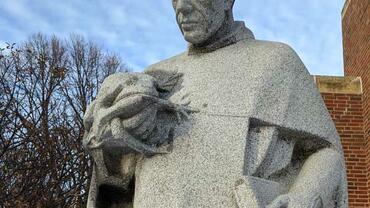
[{"x": 184, "y": 6}]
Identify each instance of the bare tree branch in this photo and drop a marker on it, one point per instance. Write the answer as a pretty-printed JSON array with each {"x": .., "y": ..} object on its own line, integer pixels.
[{"x": 45, "y": 87}]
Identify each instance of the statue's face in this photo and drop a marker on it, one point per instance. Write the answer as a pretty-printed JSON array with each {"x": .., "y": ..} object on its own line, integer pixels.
[{"x": 200, "y": 19}]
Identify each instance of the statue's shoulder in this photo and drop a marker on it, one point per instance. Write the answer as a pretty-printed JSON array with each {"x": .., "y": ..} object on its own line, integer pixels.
[
  {"x": 270, "y": 51},
  {"x": 279, "y": 58},
  {"x": 167, "y": 64}
]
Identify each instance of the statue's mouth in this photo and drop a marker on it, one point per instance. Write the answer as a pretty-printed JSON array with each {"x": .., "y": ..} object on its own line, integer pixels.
[{"x": 188, "y": 25}]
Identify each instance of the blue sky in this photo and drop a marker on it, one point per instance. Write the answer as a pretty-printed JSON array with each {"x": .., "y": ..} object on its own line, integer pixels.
[{"x": 143, "y": 32}]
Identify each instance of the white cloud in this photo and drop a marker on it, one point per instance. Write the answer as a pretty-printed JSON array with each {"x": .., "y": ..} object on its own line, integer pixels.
[{"x": 20, "y": 12}]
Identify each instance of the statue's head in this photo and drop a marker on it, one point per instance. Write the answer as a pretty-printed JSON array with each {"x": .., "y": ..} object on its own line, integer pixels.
[{"x": 200, "y": 20}]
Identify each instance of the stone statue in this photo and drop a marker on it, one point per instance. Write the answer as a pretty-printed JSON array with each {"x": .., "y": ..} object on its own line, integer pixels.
[{"x": 232, "y": 122}]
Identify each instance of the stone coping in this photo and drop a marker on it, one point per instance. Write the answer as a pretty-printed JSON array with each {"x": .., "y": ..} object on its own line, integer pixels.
[{"x": 340, "y": 85}]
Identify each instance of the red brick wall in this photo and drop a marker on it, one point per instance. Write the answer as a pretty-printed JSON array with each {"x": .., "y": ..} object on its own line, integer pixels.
[
  {"x": 356, "y": 43},
  {"x": 346, "y": 111}
]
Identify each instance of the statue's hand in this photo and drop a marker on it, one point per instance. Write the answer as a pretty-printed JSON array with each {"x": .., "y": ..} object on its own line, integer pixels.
[{"x": 297, "y": 200}]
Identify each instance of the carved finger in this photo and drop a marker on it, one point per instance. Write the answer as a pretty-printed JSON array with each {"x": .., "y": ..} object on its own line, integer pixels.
[
  {"x": 130, "y": 144},
  {"x": 86, "y": 139},
  {"x": 184, "y": 113},
  {"x": 139, "y": 119},
  {"x": 178, "y": 117},
  {"x": 317, "y": 202},
  {"x": 92, "y": 143},
  {"x": 145, "y": 129},
  {"x": 129, "y": 106},
  {"x": 96, "y": 145},
  {"x": 123, "y": 109},
  {"x": 116, "y": 128},
  {"x": 186, "y": 96},
  {"x": 280, "y": 202},
  {"x": 125, "y": 140},
  {"x": 186, "y": 103},
  {"x": 102, "y": 131}
]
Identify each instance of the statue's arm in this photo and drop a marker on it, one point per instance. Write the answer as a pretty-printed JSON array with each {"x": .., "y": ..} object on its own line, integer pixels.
[{"x": 317, "y": 184}]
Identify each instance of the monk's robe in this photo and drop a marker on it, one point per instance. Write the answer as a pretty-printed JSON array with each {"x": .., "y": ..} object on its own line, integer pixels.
[{"x": 260, "y": 114}]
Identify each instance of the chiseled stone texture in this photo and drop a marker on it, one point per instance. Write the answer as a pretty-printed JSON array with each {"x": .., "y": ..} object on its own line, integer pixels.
[
  {"x": 257, "y": 134},
  {"x": 259, "y": 115},
  {"x": 250, "y": 81}
]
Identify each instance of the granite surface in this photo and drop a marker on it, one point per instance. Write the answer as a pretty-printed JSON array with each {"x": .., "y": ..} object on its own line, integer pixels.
[{"x": 231, "y": 122}]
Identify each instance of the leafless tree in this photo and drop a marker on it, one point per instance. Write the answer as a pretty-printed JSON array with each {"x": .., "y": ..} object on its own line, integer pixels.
[{"x": 45, "y": 87}]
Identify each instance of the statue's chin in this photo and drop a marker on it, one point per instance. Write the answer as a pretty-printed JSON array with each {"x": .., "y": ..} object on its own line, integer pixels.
[{"x": 195, "y": 38}]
